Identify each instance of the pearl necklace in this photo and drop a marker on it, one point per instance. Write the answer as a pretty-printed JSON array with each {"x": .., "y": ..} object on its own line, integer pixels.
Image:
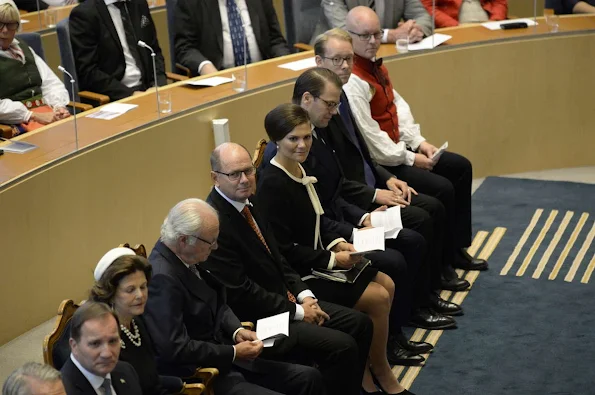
[{"x": 134, "y": 339}]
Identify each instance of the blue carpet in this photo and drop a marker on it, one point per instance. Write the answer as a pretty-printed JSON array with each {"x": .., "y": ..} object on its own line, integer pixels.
[{"x": 524, "y": 335}]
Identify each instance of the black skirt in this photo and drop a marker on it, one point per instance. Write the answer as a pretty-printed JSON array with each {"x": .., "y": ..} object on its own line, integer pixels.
[{"x": 342, "y": 293}]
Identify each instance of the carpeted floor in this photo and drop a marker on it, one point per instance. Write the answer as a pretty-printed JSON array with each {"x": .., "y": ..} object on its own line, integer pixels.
[{"x": 528, "y": 324}]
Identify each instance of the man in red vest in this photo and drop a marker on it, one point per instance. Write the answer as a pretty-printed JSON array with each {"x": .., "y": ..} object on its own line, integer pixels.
[{"x": 395, "y": 141}]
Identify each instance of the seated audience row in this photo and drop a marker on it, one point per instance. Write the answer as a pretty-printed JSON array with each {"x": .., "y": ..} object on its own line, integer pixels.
[{"x": 571, "y": 6}]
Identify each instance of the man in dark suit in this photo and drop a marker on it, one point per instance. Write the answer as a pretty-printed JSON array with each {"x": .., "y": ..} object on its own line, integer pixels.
[
  {"x": 210, "y": 34},
  {"x": 104, "y": 36},
  {"x": 95, "y": 347},
  {"x": 190, "y": 323},
  {"x": 261, "y": 283}
]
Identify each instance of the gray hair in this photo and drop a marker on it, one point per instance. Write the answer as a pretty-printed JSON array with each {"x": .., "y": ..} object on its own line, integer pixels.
[
  {"x": 184, "y": 219},
  {"x": 18, "y": 381}
]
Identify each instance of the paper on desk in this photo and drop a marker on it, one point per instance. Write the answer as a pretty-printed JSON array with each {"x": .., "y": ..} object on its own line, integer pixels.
[
  {"x": 212, "y": 81},
  {"x": 273, "y": 327},
  {"x": 427, "y": 43},
  {"x": 24, "y": 21},
  {"x": 368, "y": 239},
  {"x": 300, "y": 64},
  {"x": 389, "y": 219},
  {"x": 112, "y": 110},
  {"x": 495, "y": 25},
  {"x": 17, "y": 147},
  {"x": 438, "y": 154}
]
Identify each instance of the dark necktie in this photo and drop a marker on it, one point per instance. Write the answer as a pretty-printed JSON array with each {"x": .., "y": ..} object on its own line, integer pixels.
[
  {"x": 131, "y": 39},
  {"x": 250, "y": 219},
  {"x": 194, "y": 270},
  {"x": 371, "y": 4},
  {"x": 368, "y": 172},
  {"x": 237, "y": 33},
  {"x": 107, "y": 386}
]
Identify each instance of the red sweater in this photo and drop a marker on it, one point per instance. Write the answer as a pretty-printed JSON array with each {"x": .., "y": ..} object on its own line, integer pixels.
[
  {"x": 382, "y": 104},
  {"x": 447, "y": 11}
]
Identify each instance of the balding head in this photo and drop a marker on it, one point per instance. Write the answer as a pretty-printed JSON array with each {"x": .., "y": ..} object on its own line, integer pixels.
[
  {"x": 361, "y": 22},
  {"x": 232, "y": 171}
]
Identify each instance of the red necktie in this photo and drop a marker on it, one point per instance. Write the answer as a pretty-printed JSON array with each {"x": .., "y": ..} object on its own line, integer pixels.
[{"x": 248, "y": 215}]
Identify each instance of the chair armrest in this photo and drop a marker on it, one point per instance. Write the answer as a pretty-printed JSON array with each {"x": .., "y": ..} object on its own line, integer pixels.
[
  {"x": 184, "y": 70},
  {"x": 205, "y": 375},
  {"x": 175, "y": 77},
  {"x": 6, "y": 131},
  {"x": 193, "y": 389},
  {"x": 80, "y": 106},
  {"x": 248, "y": 325},
  {"x": 303, "y": 47},
  {"x": 96, "y": 97}
]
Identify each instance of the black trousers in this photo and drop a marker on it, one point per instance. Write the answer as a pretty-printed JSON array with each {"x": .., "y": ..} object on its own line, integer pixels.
[
  {"x": 450, "y": 183},
  {"x": 401, "y": 261},
  {"x": 339, "y": 348},
  {"x": 266, "y": 377}
]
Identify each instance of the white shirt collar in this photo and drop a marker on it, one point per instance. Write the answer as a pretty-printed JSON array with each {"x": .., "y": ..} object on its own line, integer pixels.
[
  {"x": 108, "y": 2},
  {"x": 237, "y": 205},
  {"x": 93, "y": 379}
]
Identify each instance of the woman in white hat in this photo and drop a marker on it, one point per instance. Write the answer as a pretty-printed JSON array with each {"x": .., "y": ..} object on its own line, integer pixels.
[
  {"x": 121, "y": 281},
  {"x": 31, "y": 95}
]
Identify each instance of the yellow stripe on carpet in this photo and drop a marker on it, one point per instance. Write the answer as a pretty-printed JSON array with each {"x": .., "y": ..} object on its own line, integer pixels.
[
  {"x": 521, "y": 243},
  {"x": 568, "y": 247},
  {"x": 581, "y": 254},
  {"x": 589, "y": 271},
  {"x": 553, "y": 244},
  {"x": 537, "y": 243}
]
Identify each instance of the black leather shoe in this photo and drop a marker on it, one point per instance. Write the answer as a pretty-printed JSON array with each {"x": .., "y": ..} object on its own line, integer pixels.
[
  {"x": 455, "y": 284},
  {"x": 467, "y": 262},
  {"x": 414, "y": 347},
  {"x": 445, "y": 307},
  {"x": 399, "y": 356},
  {"x": 427, "y": 318}
]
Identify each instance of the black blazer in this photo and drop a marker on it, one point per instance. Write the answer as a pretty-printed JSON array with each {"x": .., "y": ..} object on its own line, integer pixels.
[
  {"x": 124, "y": 380},
  {"x": 98, "y": 53},
  {"x": 257, "y": 281},
  {"x": 349, "y": 156},
  {"x": 187, "y": 317},
  {"x": 199, "y": 34}
]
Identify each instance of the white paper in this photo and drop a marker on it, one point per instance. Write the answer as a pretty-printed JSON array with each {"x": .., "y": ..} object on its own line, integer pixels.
[
  {"x": 17, "y": 147},
  {"x": 426, "y": 43},
  {"x": 24, "y": 21},
  {"x": 368, "y": 239},
  {"x": 495, "y": 25},
  {"x": 300, "y": 64},
  {"x": 273, "y": 327},
  {"x": 388, "y": 219},
  {"x": 439, "y": 153},
  {"x": 112, "y": 110},
  {"x": 212, "y": 81}
]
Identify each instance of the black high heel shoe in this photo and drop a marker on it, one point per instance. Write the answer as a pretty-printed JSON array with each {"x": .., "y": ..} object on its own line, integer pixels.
[{"x": 382, "y": 391}]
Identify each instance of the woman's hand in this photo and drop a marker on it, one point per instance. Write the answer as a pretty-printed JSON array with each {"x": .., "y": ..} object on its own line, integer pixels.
[{"x": 344, "y": 260}]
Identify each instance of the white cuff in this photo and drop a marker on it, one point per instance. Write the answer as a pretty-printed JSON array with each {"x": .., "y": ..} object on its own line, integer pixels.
[
  {"x": 202, "y": 64},
  {"x": 28, "y": 116},
  {"x": 299, "y": 313},
  {"x": 363, "y": 218},
  {"x": 409, "y": 158},
  {"x": 234, "y": 353},
  {"x": 375, "y": 193},
  {"x": 331, "y": 261},
  {"x": 304, "y": 294},
  {"x": 233, "y": 337}
]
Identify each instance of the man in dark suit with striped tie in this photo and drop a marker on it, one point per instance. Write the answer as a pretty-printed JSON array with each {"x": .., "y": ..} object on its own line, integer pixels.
[{"x": 212, "y": 35}]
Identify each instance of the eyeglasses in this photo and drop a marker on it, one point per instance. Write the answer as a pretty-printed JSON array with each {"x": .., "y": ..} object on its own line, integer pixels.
[
  {"x": 11, "y": 26},
  {"x": 330, "y": 105},
  {"x": 367, "y": 36},
  {"x": 212, "y": 244},
  {"x": 236, "y": 175},
  {"x": 338, "y": 60}
]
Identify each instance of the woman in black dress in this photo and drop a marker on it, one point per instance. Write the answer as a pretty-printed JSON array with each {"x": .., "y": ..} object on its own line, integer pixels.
[
  {"x": 309, "y": 240},
  {"x": 121, "y": 281}
]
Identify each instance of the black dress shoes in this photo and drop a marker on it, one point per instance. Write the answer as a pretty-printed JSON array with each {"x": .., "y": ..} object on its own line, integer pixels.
[
  {"x": 427, "y": 318},
  {"x": 414, "y": 347},
  {"x": 467, "y": 262},
  {"x": 399, "y": 356},
  {"x": 445, "y": 307},
  {"x": 455, "y": 284}
]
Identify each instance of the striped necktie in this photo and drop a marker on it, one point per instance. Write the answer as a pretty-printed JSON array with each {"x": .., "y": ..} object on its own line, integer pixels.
[{"x": 237, "y": 33}]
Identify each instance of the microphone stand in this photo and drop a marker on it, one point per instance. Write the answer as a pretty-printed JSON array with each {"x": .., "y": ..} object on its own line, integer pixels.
[
  {"x": 245, "y": 57},
  {"x": 76, "y": 131},
  {"x": 39, "y": 15},
  {"x": 433, "y": 21},
  {"x": 141, "y": 43}
]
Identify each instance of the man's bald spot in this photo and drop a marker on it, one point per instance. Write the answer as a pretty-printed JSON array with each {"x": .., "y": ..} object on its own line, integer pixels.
[
  {"x": 223, "y": 150},
  {"x": 361, "y": 16}
]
